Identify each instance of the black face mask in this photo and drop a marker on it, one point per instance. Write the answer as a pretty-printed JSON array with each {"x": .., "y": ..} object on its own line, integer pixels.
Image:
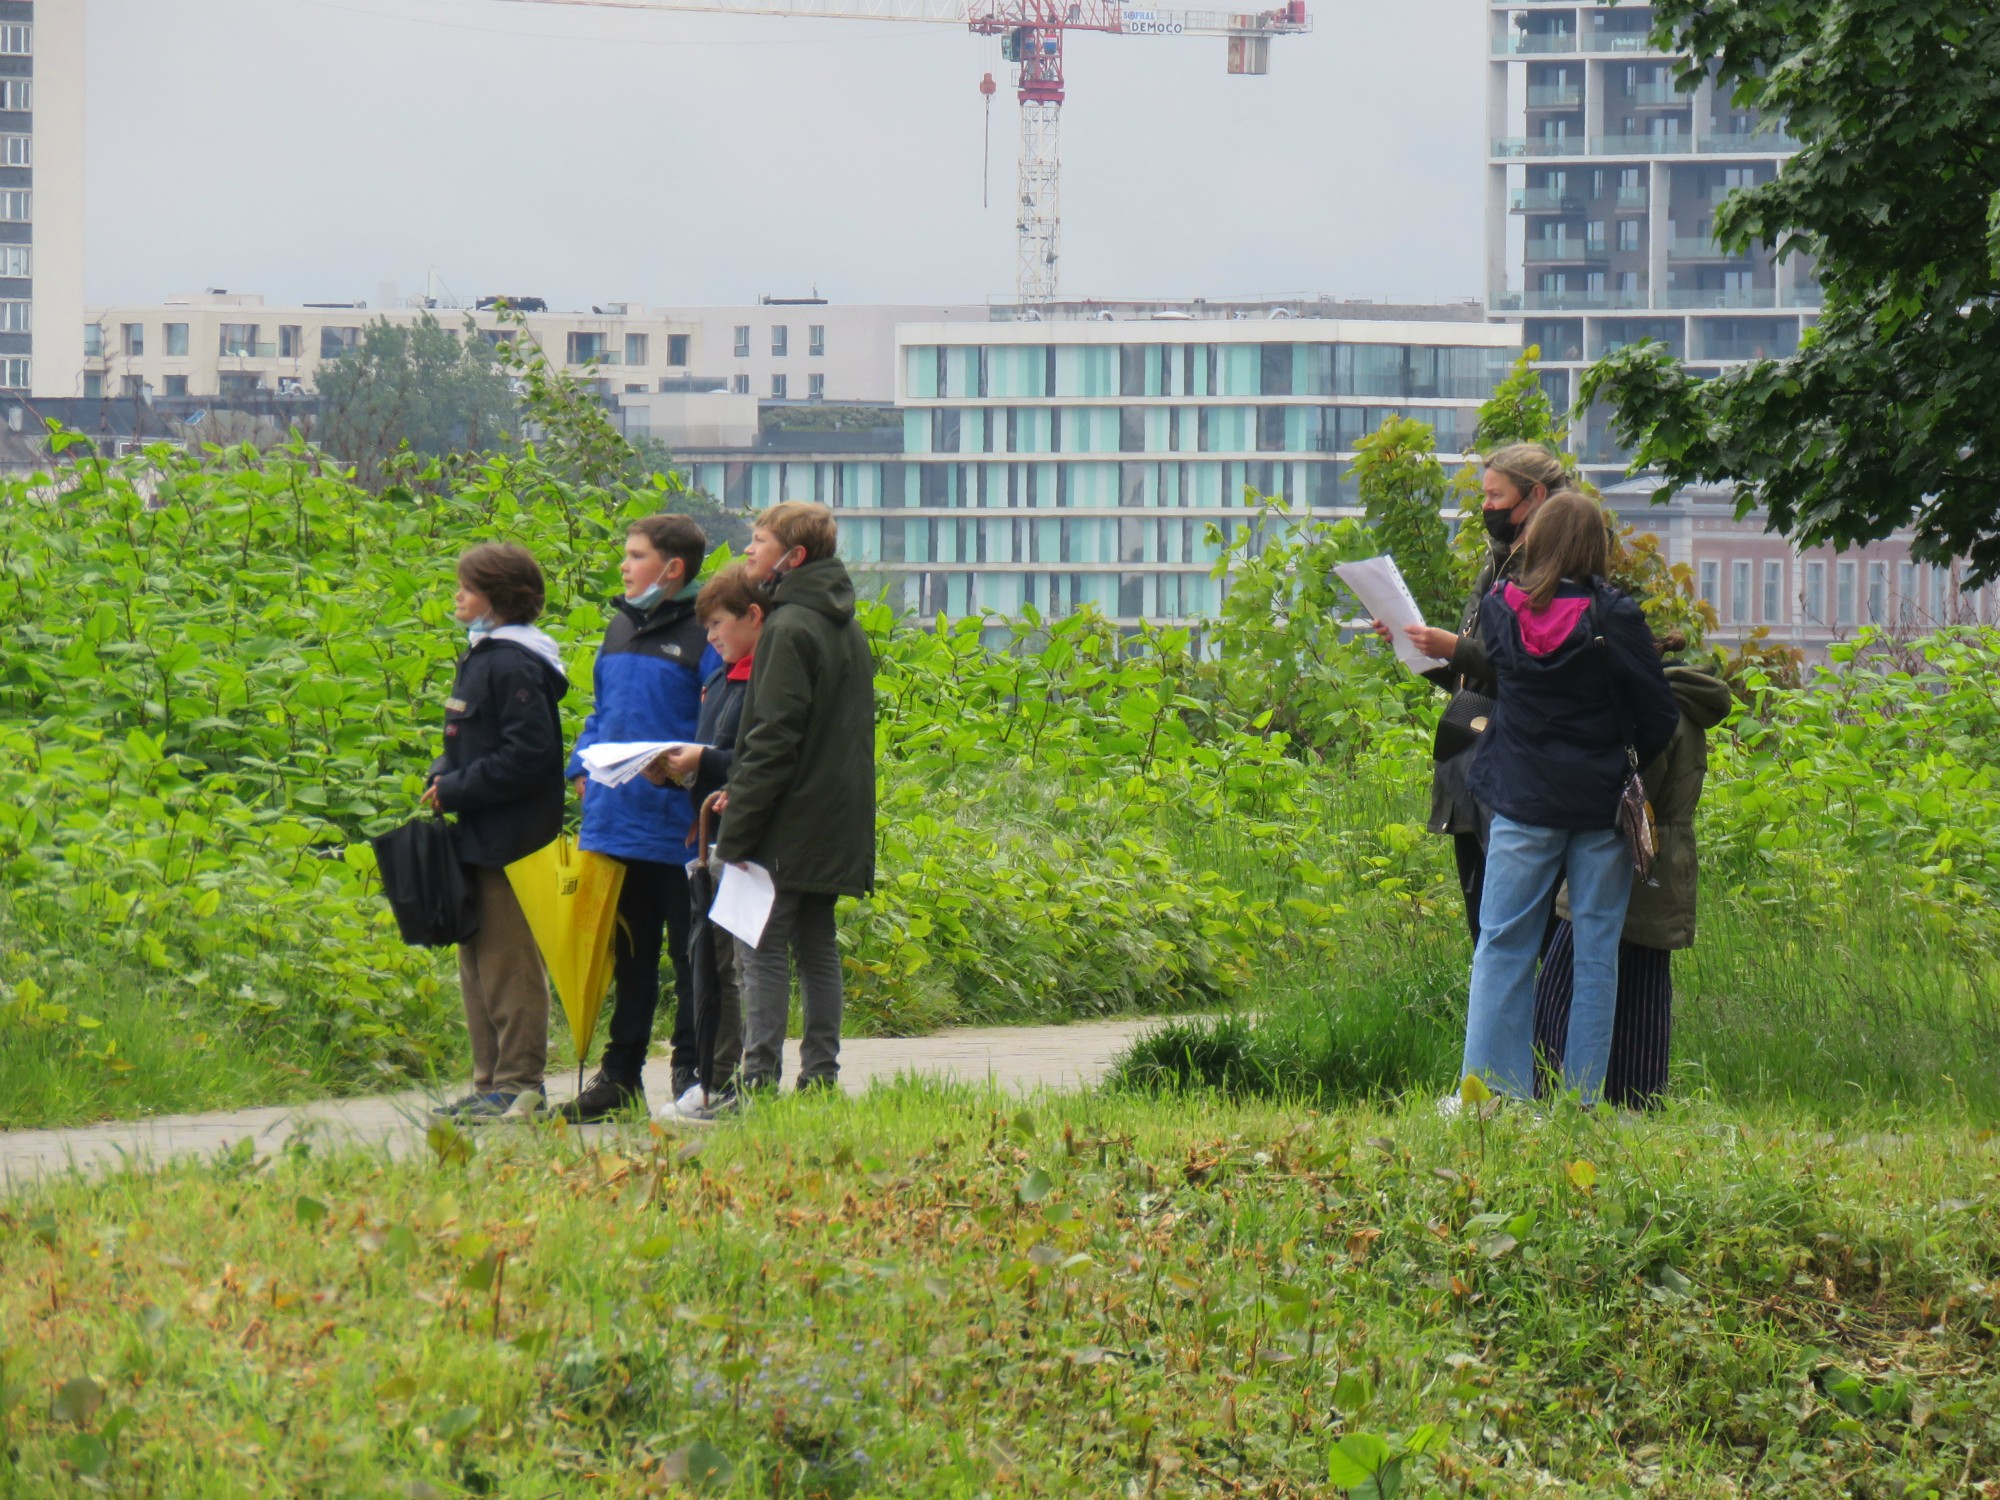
[{"x": 1501, "y": 526}]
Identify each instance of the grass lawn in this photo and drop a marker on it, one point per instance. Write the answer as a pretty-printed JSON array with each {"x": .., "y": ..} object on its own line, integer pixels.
[{"x": 942, "y": 1293}]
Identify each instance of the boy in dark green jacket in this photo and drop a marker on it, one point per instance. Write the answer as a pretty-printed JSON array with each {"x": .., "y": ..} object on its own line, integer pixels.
[{"x": 801, "y": 798}]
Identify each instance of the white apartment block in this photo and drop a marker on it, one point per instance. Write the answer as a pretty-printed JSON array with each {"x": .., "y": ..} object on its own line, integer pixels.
[
  {"x": 222, "y": 344},
  {"x": 41, "y": 196}
]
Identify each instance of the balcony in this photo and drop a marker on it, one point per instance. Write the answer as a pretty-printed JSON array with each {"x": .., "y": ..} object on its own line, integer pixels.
[
  {"x": 1533, "y": 44},
  {"x": 1656, "y": 93},
  {"x": 1632, "y": 197},
  {"x": 1621, "y": 41},
  {"x": 1700, "y": 247},
  {"x": 1721, "y": 296},
  {"x": 1585, "y": 301},
  {"x": 1749, "y": 143},
  {"x": 1541, "y": 201},
  {"x": 1565, "y": 250},
  {"x": 1599, "y": 145},
  {"x": 1555, "y": 95}
]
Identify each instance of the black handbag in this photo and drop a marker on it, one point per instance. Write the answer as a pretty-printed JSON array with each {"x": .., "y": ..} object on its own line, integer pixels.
[
  {"x": 1464, "y": 720},
  {"x": 435, "y": 905}
]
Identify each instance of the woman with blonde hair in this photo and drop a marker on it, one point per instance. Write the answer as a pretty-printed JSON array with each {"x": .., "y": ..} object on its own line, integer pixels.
[{"x": 1578, "y": 692}]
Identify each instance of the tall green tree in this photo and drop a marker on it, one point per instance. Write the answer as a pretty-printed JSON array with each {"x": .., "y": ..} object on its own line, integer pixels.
[
  {"x": 1402, "y": 488},
  {"x": 419, "y": 386},
  {"x": 1885, "y": 416}
]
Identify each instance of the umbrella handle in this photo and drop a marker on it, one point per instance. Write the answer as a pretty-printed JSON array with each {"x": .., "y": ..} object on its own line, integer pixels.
[{"x": 703, "y": 825}]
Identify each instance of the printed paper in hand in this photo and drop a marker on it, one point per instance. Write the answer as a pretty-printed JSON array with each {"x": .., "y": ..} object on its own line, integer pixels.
[
  {"x": 1378, "y": 583},
  {"x": 616, "y": 764},
  {"x": 743, "y": 901}
]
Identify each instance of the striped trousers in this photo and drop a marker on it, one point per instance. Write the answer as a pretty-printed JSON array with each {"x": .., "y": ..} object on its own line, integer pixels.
[{"x": 1640, "y": 1036}]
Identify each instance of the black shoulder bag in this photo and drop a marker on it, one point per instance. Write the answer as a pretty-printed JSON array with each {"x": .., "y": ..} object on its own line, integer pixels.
[{"x": 1635, "y": 811}]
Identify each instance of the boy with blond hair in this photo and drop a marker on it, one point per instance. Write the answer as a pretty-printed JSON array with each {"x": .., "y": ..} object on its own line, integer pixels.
[{"x": 801, "y": 799}]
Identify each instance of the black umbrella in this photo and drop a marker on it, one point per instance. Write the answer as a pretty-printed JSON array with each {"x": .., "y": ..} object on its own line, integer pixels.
[{"x": 703, "y": 935}]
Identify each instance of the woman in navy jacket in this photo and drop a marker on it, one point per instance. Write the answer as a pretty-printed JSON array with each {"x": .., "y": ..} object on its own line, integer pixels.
[
  {"x": 1578, "y": 684},
  {"x": 648, "y": 687}
]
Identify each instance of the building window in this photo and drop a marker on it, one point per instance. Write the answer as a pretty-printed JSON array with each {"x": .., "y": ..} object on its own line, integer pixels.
[
  {"x": 1843, "y": 591},
  {"x": 781, "y": 338},
  {"x": 1878, "y": 593},
  {"x": 1628, "y": 234},
  {"x": 635, "y": 349},
  {"x": 133, "y": 336},
  {"x": 1739, "y": 592},
  {"x": 17, "y": 206},
  {"x": 17, "y": 95},
  {"x": 17, "y": 151},
  {"x": 816, "y": 339},
  {"x": 1813, "y": 596},
  {"x": 587, "y": 348},
  {"x": 1908, "y": 600},
  {"x": 132, "y": 385},
  {"x": 742, "y": 340},
  {"x": 740, "y": 384},
  {"x": 333, "y": 342},
  {"x": 1711, "y": 585},
  {"x": 1774, "y": 593},
  {"x": 14, "y": 316},
  {"x": 176, "y": 385},
  {"x": 93, "y": 385},
  {"x": 777, "y": 387},
  {"x": 815, "y": 387},
  {"x": 17, "y": 41},
  {"x": 14, "y": 374},
  {"x": 16, "y": 261},
  {"x": 93, "y": 341},
  {"x": 677, "y": 349},
  {"x": 239, "y": 340},
  {"x": 291, "y": 341}
]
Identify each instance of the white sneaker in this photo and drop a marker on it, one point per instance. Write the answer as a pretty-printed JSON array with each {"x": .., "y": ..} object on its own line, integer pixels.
[
  {"x": 1450, "y": 1107},
  {"x": 693, "y": 1104}
]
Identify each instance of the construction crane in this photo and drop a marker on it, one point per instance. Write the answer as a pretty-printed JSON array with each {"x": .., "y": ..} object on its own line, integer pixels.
[{"x": 1031, "y": 36}]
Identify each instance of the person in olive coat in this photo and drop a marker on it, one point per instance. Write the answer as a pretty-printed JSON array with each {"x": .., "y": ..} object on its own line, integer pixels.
[
  {"x": 801, "y": 798},
  {"x": 1659, "y": 919}
]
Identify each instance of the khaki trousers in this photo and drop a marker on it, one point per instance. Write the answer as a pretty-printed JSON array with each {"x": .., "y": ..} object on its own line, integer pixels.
[{"x": 506, "y": 991}]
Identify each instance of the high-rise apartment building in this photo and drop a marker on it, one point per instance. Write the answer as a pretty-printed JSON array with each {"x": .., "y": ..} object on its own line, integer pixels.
[
  {"x": 41, "y": 196},
  {"x": 1602, "y": 183}
]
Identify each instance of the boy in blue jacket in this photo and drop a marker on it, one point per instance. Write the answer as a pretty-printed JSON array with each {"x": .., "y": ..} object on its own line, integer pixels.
[{"x": 648, "y": 687}]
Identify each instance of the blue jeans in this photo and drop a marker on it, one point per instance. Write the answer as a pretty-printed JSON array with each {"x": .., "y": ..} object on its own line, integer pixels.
[{"x": 1523, "y": 865}]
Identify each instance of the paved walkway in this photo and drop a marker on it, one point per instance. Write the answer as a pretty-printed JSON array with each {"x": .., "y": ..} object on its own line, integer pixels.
[{"x": 1015, "y": 1057}]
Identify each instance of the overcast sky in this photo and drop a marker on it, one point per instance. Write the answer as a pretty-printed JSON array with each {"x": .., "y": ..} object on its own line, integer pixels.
[{"x": 318, "y": 149}]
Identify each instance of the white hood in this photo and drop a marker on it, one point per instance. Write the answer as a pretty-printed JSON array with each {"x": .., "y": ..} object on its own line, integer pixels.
[{"x": 536, "y": 641}]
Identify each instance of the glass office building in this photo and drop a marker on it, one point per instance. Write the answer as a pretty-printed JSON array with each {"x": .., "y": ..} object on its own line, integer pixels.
[
  {"x": 1603, "y": 179},
  {"x": 1058, "y": 465}
]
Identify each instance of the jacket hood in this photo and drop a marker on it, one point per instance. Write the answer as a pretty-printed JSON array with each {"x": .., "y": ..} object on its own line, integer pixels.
[
  {"x": 1703, "y": 696},
  {"x": 823, "y": 586},
  {"x": 536, "y": 642}
]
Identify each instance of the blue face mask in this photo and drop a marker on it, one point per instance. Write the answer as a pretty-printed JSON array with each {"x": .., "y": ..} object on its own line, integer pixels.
[
  {"x": 647, "y": 597},
  {"x": 479, "y": 629}
]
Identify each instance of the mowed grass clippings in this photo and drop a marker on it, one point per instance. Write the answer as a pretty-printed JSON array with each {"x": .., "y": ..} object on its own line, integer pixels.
[{"x": 944, "y": 1293}]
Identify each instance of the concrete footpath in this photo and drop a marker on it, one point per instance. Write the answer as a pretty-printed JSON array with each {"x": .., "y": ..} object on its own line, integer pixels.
[{"x": 1018, "y": 1058}]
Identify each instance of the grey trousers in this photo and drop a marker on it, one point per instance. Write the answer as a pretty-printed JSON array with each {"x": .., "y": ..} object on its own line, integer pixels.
[
  {"x": 729, "y": 1023},
  {"x": 801, "y": 926},
  {"x": 506, "y": 992}
]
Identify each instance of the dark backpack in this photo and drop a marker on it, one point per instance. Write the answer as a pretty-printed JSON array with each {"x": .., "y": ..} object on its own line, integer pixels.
[{"x": 435, "y": 905}]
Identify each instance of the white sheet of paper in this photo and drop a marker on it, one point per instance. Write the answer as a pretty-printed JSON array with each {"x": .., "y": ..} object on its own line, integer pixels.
[
  {"x": 1378, "y": 583},
  {"x": 743, "y": 901},
  {"x": 615, "y": 763}
]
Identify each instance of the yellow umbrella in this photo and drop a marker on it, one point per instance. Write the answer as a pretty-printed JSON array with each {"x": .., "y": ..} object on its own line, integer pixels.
[{"x": 570, "y": 898}]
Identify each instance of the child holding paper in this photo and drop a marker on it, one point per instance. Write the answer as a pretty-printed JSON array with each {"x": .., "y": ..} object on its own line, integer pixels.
[
  {"x": 802, "y": 784},
  {"x": 730, "y": 609},
  {"x": 648, "y": 687}
]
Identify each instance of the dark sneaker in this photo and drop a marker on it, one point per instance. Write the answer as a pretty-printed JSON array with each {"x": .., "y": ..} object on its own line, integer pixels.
[
  {"x": 824, "y": 1083},
  {"x": 757, "y": 1083},
  {"x": 482, "y": 1109},
  {"x": 602, "y": 1098},
  {"x": 457, "y": 1107},
  {"x": 684, "y": 1079}
]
